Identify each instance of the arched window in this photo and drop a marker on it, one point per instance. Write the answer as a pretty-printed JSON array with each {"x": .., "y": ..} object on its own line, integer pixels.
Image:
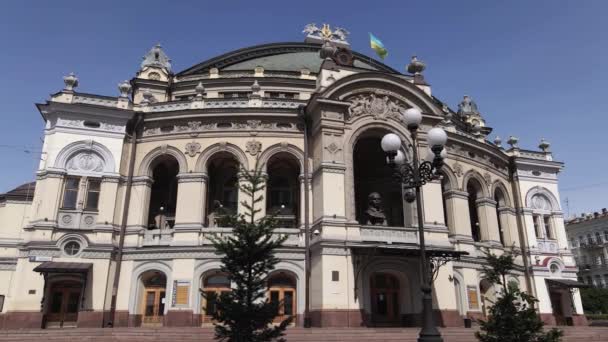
[
  {"x": 598, "y": 238},
  {"x": 541, "y": 215},
  {"x": 283, "y": 189},
  {"x": 499, "y": 197},
  {"x": 163, "y": 200},
  {"x": 473, "y": 190},
  {"x": 223, "y": 189}
]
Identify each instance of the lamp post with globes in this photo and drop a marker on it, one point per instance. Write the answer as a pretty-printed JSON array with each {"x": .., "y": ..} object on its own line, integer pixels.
[{"x": 413, "y": 176}]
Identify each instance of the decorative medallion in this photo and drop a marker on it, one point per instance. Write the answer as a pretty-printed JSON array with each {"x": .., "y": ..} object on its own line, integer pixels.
[
  {"x": 253, "y": 147},
  {"x": 192, "y": 148},
  {"x": 89, "y": 220},
  {"x": 254, "y": 124},
  {"x": 67, "y": 219}
]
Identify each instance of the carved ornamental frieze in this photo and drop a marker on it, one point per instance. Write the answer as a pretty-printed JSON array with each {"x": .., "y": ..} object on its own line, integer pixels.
[
  {"x": 380, "y": 105},
  {"x": 195, "y": 128}
]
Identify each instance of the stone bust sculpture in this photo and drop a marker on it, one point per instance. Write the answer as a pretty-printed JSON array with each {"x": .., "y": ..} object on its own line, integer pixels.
[{"x": 374, "y": 215}]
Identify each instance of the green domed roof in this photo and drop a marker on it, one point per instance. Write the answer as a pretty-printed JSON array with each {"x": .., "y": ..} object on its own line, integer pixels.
[{"x": 279, "y": 57}]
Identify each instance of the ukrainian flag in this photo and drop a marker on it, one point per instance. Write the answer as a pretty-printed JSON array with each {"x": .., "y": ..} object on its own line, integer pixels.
[{"x": 377, "y": 46}]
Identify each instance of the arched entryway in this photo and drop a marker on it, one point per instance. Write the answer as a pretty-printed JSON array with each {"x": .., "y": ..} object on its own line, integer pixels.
[
  {"x": 214, "y": 284},
  {"x": 153, "y": 297},
  {"x": 283, "y": 189},
  {"x": 222, "y": 193},
  {"x": 163, "y": 198},
  {"x": 282, "y": 291},
  {"x": 385, "y": 299},
  {"x": 63, "y": 303}
]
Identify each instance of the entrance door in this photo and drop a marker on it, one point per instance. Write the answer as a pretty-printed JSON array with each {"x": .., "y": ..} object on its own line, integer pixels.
[
  {"x": 282, "y": 292},
  {"x": 385, "y": 299},
  {"x": 154, "y": 305},
  {"x": 556, "y": 304},
  {"x": 63, "y": 306},
  {"x": 213, "y": 287}
]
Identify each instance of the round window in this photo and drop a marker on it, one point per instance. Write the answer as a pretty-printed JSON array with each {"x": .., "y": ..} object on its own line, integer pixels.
[
  {"x": 554, "y": 268},
  {"x": 71, "y": 248}
]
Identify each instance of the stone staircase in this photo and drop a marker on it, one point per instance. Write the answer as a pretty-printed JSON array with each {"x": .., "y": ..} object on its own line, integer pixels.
[{"x": 572, "y": 334}]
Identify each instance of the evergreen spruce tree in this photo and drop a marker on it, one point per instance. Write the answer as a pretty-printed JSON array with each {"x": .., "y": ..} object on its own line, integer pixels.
[
  {"x": 512, "y": 318},
  {"x": 248, "y": 256}
]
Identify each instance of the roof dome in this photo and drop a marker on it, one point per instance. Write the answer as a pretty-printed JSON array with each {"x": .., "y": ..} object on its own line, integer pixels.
[{"x": 290, "y": 57}]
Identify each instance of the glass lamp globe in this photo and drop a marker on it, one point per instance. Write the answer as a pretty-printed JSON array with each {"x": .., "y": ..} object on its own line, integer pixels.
[
  {"x": 399, "y": 158},
  {"x": 437, "y": 137},
  {"x": 390, "y": 143},
  {"x": 412, "y": 117}
]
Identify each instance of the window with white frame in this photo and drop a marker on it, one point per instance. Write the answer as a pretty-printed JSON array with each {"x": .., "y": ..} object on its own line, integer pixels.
[
  {"x": 541, "y": 213},
  {"x": 73, "y": 198},
  {"x": 598, "y": 237}
]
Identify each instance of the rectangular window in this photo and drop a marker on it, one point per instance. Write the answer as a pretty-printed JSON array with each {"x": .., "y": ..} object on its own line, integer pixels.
[
  {"x": 547, "y": 223},
  {"x": 536, "y": 219},
  {"x": 1, "y": 303},
  {"x": 70, "y": 192},
  {"x": 93, "y": 188},
  {"x": 335, "y": 276}
]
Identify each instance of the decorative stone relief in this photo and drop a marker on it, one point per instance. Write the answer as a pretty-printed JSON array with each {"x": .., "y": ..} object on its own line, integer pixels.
[
  {"x": 458, "y": 169},
  {"x": 487, "y": 178},
  {"x": 379, "y": 105},
  {"x": 333, "y": 148},
  {"x": 89, "y": 220},
  {"x": 86, "y": 161},
  {"x": 540, "y": 202},
  {"x": 194, "y": 128},
  {"x": 192, "y": 148},
  {"x": 253, "y": 147},
  {"x": 67, "y": 219}
]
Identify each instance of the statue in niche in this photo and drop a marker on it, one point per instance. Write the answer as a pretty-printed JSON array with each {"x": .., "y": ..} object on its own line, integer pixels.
[
  {"x": 217, "y": 212},
  {"x": 374, "y": 215},
  {"x": 160, "y": 220}
]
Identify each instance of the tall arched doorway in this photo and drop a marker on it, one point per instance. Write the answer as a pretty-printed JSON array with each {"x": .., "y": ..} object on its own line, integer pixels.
[
  {"x": 283, "y": 189},
  {"x": 222, "y": 192},
  {"x": 153, "y": 298},
  {"x": 282, "y": 291},
  {"x": 63, "y": 304},
  {"x": 213, "y": 286},
  {"x": 385, "y": 299}
]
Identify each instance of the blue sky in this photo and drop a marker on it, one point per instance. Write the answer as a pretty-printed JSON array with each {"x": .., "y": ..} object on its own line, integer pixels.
[{"x": 536, "y": 68}]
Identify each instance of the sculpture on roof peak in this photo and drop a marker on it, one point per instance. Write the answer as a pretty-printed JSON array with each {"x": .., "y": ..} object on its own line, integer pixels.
[
  {"x": 467, "y": 106},
  {"x": 156, "y": 57},
  {"x": 313, "y": 32}
]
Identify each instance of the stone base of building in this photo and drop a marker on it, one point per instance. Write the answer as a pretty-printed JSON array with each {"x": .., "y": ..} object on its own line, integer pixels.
[
  {"x": 21, "y": 320},
  {"x": 575, "y": 320},
  {"x": 359, "y": 318}
]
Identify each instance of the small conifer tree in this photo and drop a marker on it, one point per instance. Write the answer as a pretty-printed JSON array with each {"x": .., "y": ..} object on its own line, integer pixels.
[
  {"x": 248, "y": 256},
  {"x": 512, "y": 317}
]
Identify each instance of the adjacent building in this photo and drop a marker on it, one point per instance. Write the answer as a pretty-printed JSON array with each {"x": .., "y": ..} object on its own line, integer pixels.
[
  {"x": 588, "y": 238},
  {"x": 128, "y": 187}
]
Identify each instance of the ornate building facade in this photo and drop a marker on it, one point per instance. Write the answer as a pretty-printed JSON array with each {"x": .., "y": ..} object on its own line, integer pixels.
[{"x": 128, "y": 190}]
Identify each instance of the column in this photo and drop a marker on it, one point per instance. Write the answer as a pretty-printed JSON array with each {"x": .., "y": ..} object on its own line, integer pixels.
[
  {"x": 457, "y": 207},
  {"x": 433, "y": 203},
  {"x": 509, "y": 226},
  {"x": 138, "y": 208},
  {"x": 488, "y": 221},
  {"x": 189, "y": 208}
]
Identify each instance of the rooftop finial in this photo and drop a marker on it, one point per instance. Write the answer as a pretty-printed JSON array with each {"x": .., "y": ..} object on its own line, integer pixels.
[
  {"x": 200, "y": 90},
  {"x": 498, "y": 142},
  {"x": 156, "y": 57},
  {"x": 513, "y": 142},
  {"x": 467, "y": 106},
  {"x": 71, "y": 82},
  {"x": 544, "y": 145},
  {"x": 416, "y": 66},
  {"x": 125, "y": 88}
]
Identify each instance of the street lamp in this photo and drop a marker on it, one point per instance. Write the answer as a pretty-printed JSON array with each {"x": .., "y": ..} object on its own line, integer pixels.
[{"x": 413, "y": 176}]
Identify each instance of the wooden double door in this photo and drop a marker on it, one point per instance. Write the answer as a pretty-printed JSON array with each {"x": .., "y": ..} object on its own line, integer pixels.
[
  {"x": 209, "y": 308},
  {"x": 285, "y": 298},
  {"x": 384, "y": 295},
  {"x": 63, "y": 305},
  {"x": 153, "y": 305}
]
